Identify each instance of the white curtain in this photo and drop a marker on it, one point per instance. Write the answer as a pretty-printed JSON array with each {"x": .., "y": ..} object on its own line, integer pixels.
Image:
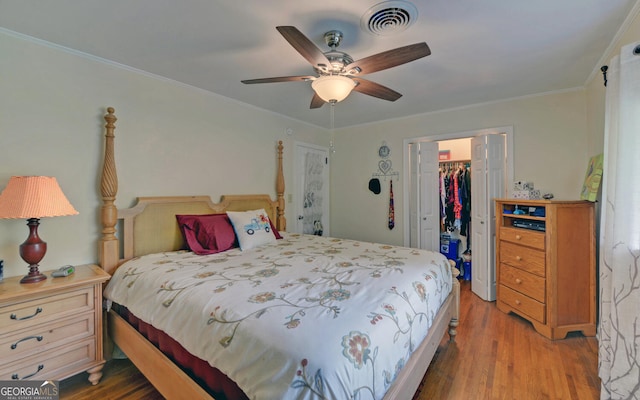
[
  {"x": 312, "y": 207},
  {"x": 619, "y": 326}
]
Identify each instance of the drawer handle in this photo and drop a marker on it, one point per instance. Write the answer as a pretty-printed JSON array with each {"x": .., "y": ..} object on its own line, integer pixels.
[
  {"x": 518, "y": 237},
  {"x": 518, "y": 281},
  {"x": 15, "y": 345},
  {"x": 16, "y": 377},
  {"x": 518, "y": 258},
  {"x": 38, "y": 311},
  {"x": 518, "y": 302}
]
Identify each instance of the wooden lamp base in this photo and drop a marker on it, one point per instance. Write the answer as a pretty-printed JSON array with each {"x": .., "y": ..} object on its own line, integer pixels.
[{"x": 32, "y": 252}]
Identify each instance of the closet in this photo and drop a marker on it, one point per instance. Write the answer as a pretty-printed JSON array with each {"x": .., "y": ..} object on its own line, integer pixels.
[
  {"x": 426, "y": 225},
  {"x": 454, "y": 172}
]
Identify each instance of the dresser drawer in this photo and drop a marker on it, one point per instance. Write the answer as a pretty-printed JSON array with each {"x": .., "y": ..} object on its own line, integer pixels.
[
  {"x": 57, "y": 363},
  {"x": 26, "y": 342},
  {"x": 523, "y": 304},
  {"x": 523, "y": 257},
  {"x": 38, "y": 311},
  {"x": 523, "y": 282},
  {"x": 523, "y": 236}
]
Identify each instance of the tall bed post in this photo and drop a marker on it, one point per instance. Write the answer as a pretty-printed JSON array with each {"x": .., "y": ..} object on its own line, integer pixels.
[
  {"x": 281, "y": 223},
  {"x": 109, "y": 251}
]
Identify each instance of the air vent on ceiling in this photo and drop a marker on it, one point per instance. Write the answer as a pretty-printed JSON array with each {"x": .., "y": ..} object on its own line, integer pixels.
[{"x": 388, "y": 17}]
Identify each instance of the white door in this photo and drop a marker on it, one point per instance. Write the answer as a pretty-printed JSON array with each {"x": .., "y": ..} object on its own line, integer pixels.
[
  {"x": 429, "y": 197},
  {"x": 311, "y": 189},
  {"x": 414, "y": 195},
  {"x": 488, "y": 181}
]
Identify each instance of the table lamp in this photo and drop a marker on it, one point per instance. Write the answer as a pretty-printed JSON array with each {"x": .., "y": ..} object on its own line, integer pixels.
[{"x": 33, "y": 197}]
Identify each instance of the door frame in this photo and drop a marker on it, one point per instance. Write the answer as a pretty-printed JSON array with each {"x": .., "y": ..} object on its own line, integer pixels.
[{"x": 506, "y": 130}]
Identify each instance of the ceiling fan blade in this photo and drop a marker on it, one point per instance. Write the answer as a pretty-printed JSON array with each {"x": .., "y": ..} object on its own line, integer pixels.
[
  {"x": 316, "y": 101},
  {"x": 376, "y": 90},
  {"x": 390, "y": 58},
  {"x": 304, "y": 46},
  {"x": 303, "y": 78}
]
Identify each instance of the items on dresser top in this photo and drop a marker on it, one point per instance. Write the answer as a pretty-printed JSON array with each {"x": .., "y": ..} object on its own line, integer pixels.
[{"x": 52, "y": 329}]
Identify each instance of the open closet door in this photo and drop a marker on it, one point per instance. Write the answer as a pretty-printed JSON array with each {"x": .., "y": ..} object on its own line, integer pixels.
[
  {"x": 429, "y": 197},
  {"x": 488, "y": 175},
  {"x": 414, "y": 195}
]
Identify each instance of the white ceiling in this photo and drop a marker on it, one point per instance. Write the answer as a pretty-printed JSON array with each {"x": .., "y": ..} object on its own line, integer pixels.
[{"x": 482, "y": 50}]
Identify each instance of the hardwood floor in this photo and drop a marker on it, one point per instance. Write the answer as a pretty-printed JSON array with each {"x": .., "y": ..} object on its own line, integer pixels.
[{"x": 495, "y": 356}]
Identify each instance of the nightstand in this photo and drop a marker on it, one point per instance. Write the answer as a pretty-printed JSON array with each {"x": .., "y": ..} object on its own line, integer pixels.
[{"x": 51, "y": 330}]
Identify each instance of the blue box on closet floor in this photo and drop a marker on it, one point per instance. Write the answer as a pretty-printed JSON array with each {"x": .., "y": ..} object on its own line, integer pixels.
[
  {"x": 466, "y": 268},
  {"x": 449, "y": 247}
]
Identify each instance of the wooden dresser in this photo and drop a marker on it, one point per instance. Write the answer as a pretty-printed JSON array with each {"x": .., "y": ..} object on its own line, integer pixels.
[
  {"x": 52, "y": 329},
  {"x": 545, "y": 264}
]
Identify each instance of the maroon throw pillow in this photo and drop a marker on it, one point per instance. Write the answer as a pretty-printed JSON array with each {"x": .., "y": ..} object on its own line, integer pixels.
[{"x": 207, "y": 233}]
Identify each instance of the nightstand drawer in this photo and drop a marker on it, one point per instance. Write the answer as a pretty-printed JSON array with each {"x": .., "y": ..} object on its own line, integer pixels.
[
  {"x": 523, "y": 282},
  {"x": 523, "y": 257},
  {"x": 41, "y": 310},
  {"x": 523, "y": 236},
  {"x": 523, "y": 304},
  {"x": 41, "y": 338},
  {"x": 52, "y": 364}
]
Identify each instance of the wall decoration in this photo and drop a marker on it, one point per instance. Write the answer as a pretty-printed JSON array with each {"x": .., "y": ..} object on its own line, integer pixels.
[
  {"x": 592, "y": 179},
  {"x": 385, "y": 165},
  {"x": 384, "y": 151}
]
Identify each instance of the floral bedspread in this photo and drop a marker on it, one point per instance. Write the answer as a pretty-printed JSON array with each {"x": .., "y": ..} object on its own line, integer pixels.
[{"x": 308, "y": 317}]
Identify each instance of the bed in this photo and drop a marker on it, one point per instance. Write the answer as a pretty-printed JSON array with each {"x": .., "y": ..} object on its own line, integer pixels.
[{"x": 298, "y": 316}]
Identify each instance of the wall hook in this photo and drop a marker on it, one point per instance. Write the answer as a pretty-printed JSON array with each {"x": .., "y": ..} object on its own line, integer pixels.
[{"x": 604, "y": 69}]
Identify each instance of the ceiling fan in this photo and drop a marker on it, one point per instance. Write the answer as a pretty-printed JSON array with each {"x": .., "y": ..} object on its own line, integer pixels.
[{"x": 338, "y": 73}]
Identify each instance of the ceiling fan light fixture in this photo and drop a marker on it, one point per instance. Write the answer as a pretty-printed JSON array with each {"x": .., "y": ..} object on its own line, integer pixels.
[{"x": 333, "y": 88}]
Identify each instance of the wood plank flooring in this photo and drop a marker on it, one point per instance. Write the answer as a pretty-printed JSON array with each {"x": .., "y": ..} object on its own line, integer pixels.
[{"x": 495, "y": 356}]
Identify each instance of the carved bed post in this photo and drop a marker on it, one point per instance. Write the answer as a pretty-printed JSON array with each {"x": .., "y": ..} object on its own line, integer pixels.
[
  {"x": 109, "y": 251},
  {"x": 455, "y": 319},
  {"x": 282, "y": 221}
]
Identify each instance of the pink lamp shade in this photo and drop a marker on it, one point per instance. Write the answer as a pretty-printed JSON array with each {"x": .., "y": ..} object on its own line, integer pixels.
[{"x": 33, "y": 197}]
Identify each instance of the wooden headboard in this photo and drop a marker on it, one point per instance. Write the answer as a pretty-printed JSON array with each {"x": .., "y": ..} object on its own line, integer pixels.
[{"x": 150, "y": 226}]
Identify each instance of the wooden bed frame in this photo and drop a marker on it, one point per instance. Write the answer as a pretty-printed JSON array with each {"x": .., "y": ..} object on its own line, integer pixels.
[{"x": 150, "y": 226}]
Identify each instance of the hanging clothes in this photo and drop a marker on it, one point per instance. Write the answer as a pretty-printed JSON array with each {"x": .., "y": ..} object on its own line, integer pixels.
[
  {"x": 466, "y": 202},
  {"x": 457, "y": 206},
  {"x": 455, "y": 196}
]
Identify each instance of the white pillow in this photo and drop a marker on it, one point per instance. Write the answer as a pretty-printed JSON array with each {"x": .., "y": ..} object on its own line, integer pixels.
[{"x": 252, "y": 228}]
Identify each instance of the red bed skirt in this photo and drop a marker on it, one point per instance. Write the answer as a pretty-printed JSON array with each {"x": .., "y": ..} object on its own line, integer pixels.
[{"x": 211, "y": 379}]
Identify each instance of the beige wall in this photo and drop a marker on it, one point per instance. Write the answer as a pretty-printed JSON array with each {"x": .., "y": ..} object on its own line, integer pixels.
[
  {"x": 554, "y": 137},
  {"x": 596, "y": 91},
  {"x": 630, "y": 32},
  {"x": 171, "y": 139},
  {"x": 550, "y": 150}
]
